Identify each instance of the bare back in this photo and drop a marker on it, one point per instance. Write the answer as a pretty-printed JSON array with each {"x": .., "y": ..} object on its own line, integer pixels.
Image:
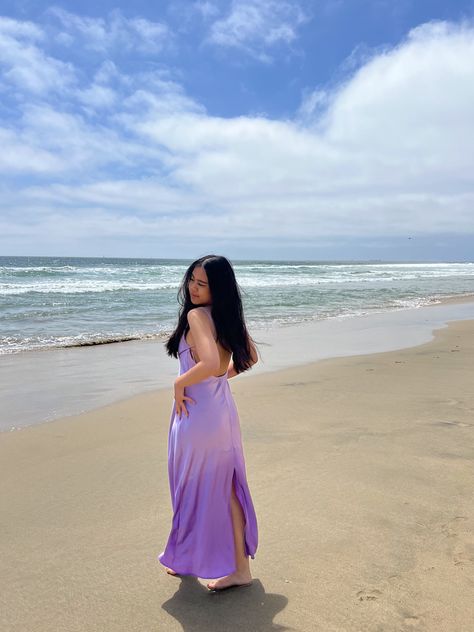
[{"x": 224, "y": 355}]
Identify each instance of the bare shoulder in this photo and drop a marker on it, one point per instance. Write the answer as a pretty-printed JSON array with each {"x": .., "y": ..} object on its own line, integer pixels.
[
  {"x": 193, "y": 312},
  {"x": 201, "y": 315}
]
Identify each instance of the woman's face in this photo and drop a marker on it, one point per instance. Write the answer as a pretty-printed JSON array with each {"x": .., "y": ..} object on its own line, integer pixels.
[{"x": 199, "y": 287}]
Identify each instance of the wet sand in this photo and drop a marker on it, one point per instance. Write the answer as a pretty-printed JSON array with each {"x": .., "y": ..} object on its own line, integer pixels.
[
  {"x": 361, "y": 470},
  {"x": 39, "y": 386}
]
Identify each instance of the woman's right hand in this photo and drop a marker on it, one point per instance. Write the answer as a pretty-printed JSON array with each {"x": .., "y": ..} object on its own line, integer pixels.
[{"x": 179, "y": 398}]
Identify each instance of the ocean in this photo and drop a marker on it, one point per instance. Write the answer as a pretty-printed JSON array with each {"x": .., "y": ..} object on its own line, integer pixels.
[{"x": 57, "y": 302}]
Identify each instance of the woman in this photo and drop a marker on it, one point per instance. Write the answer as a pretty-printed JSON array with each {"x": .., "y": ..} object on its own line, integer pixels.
[{"x": 214, "y": 527}]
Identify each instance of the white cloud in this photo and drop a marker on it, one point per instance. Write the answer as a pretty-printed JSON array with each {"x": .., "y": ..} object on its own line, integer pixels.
[
  {"x": 25, "y": 65},
  {"x": 411, "y": 107},
  {"x": 254, "y": 27},
  {"x": 155, "y": 98},
  {"x": 21, "y": 30},
  {"x": 62, "y": 145},
  {"x": 19, "y": 156},
  {"x": 385, "y": 157},
  {"x": 147, "y": 196},
  {"x": 206, "y": 9},
  {"x": 389, "y": 152},
  {"x": 107, "y": 72},
  {"x": 97, "y": 97},
  {"x": 114, "y": 33}
]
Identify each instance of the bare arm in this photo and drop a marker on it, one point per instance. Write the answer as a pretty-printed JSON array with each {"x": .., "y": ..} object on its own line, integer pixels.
[{"x": 208, "y": 352}]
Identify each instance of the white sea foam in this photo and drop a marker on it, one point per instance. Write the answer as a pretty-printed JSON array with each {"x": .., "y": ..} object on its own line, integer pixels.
[{"x": 54, "y": 302}]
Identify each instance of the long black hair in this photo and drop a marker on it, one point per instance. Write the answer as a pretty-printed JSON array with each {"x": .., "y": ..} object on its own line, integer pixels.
[{"x": 226, "y": 310}]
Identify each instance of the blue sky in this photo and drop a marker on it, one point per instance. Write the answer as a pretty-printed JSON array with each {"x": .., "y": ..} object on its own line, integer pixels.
[{"x": 272, "y": 129}]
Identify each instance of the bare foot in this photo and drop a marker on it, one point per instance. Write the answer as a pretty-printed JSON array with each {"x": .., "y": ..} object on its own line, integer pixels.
[
  {"x": 234, "y": 579},
  {"x": 170, "y": 571}
]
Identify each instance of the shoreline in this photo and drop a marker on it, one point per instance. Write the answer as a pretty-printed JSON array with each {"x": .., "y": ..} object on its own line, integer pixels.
[
  {"x": 42, "y": 387},
  {"x": 162, "y": 337},
  {"x": 374, "y": 455}
]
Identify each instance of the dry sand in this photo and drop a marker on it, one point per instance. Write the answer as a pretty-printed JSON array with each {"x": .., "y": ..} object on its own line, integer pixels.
[{"x": 361, "y": 471}]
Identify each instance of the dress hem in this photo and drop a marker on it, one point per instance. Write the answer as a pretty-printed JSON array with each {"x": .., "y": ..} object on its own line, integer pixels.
[{"x": 197, "y": 574}]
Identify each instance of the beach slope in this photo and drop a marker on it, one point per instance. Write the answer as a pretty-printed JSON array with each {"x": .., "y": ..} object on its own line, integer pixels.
[{"x": 361, "y": 470}]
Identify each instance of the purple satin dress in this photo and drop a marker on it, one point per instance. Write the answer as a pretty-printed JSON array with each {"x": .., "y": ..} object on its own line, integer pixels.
[{"x": 205, "y": 456}]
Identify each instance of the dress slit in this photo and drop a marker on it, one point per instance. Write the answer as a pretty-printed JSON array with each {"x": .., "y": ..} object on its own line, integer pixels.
[{"x": 241, "y": 497}]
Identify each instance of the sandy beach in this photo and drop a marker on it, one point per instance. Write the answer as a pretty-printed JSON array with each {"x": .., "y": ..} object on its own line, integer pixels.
[{"x": 361, "y": 470}]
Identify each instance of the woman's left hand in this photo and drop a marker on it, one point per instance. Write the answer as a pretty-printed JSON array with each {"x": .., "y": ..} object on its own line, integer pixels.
[{"x": 180, "y": 397}]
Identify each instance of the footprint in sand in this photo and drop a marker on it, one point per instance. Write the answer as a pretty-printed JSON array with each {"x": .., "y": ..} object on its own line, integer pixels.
[
  {"x": 368, "y": 595},
  {"x": 461, "y": 550},
  {"x": 462, "y": 558},
  {"x": 412, "y": 621},
  {"x": 452, "y": 402},
  {"x": 459, "y": 424},
  {"x": 448, "y": 528},
  {"x": 457, "y": 403}
]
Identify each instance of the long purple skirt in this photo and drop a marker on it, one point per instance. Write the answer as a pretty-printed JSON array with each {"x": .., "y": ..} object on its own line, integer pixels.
[{"x": 205, "y": 457}]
